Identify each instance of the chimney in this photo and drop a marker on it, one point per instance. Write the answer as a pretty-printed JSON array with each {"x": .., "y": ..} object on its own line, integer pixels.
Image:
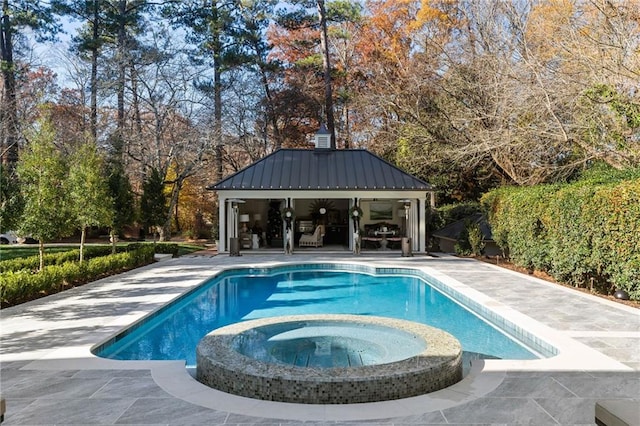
[{"x": 322, "y": 138}]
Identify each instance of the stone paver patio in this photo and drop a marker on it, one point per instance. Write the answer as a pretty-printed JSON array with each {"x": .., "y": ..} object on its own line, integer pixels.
[{"x": 48, "y": 375}]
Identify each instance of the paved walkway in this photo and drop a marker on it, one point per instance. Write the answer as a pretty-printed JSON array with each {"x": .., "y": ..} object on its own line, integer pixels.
[{"x": 48, "y": 375}]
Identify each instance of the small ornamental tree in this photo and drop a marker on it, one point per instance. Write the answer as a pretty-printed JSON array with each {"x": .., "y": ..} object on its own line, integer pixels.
[
  {"x": 42, "y": 172},
  {"x": 88, "y": 191},
  {"x": 153, "y": 203}
]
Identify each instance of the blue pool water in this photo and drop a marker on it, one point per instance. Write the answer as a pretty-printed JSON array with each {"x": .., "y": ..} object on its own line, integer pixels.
[{"x": 239, "y": 295}]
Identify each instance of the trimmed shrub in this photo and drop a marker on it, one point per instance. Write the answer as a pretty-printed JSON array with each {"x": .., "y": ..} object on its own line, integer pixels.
[
  {"x": 586, "y": 233},
  {"x": 520, "y": 224},
  {"x": 615, "y": 215},
  {"x": 23, "y": 285},
  {"x": 570, "y": 236},
  {"x": 168, "y": 248},
  {"x": 32, "y": 263}
]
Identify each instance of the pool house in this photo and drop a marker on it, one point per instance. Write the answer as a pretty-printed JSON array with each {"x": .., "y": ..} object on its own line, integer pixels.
[{"x": 322, "y": 197}]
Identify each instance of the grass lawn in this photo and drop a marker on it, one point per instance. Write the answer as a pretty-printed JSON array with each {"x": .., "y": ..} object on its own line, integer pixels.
[
  {"x": 13, "y": 251},
  {"x": 187, "y": 248}
]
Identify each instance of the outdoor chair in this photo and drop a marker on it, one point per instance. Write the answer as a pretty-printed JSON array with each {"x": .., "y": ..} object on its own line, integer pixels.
[{"x": 312, "y": 240}]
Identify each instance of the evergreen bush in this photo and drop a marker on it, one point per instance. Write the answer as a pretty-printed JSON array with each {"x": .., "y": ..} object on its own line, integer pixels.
[
  {"x": 33, "y": 262},
  {"x": 476, "y": 243},
  {"x": 586, "y": 233},
  {"x": 168, "y": 248},
  {"x": 21, "y": 285}
]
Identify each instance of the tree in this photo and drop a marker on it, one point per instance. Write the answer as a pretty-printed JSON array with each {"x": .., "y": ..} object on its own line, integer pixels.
[
  {"x": 125, "y": 18},
  {"x": 153, "y": 203},
  {"x": 171, "y": 133},
  {"x": 305, "y": 42},
  {"x": 17, "y": 15},
  {"x": 88, "y": 191},
  {"x": 482, "y": 87},
  {"x": 42, "y": 172},
  {"x": 10, "y": 201},
  {"x": 90, "y": 39},
  {"x": 255, "y": 17},
  {"x": 326, "y": 71},
  {"x": 123, "y": 206},
  {"x": 212, "y": 27}
]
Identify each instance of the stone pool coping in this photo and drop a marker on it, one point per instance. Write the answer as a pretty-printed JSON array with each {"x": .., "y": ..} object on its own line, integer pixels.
[
  {"x": 437, "y": 365},
  {"x": 484, "y": 377}
]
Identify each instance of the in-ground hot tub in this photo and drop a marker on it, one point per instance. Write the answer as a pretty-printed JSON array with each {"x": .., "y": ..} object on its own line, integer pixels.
[{"x": 328, "y": 359}]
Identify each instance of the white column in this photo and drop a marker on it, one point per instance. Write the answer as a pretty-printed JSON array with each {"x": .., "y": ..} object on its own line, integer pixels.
[
  {"x": 413, "y": 225},
  {"x": 222, "y": 225},
  {"x": 422, "y": 214},
  {"x": 350, "y": 227}
]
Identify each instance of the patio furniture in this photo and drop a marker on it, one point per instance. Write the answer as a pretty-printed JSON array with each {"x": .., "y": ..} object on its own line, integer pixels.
[
  {"x": 384, "y": 241},
  {"x": 371, "y": 242},
  {"x": 312, "y": 240},
  {"x": 381, "y": 236}
]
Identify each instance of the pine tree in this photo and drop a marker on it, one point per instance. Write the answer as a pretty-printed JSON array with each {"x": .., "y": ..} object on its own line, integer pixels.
[{"x": 153, "y": 204}]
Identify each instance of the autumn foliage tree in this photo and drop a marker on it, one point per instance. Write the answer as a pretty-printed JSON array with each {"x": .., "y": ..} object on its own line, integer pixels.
[{"x": 466, "y": 95}]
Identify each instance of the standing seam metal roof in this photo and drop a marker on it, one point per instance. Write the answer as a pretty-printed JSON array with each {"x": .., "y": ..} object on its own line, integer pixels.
[{"x": 321, "y": 169}]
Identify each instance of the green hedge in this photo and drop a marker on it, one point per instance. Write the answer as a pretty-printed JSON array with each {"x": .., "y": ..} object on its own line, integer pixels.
[
  {"x": 32, "y": 263},
  {"x": 168, "y": 248},
  {"x": 586, "y": 233},
  {"x": 22, "y": 285}
]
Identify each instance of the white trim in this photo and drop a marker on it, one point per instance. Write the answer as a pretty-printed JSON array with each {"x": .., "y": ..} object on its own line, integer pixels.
[{"x": 318, "y": 193}]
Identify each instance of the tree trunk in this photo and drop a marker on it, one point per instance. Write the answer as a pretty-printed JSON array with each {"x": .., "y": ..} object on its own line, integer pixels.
[
  {"x": 41, "y": 254},
  {"x": 173, "y": 206},
  {"x": 271, "y": 110},
  {"x": 114, "y": 239},
  {"x": 83, "y": 237},
  {"x": 326, "y": 64},
  {"x": 94, "y": 73},
  {"x": 8, "y": 111},
  {"x": 216, "y": 46},
  {"x": 135, "y": 97},
  {"x": 121, "y": 63},
  {"x": 347, "y": 132}
]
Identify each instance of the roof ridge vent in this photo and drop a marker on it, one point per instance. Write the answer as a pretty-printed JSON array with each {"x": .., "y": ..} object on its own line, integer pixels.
[{"x": 322, "y": 139}]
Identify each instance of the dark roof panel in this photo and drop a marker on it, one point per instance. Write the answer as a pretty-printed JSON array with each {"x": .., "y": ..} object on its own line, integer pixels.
[
  {"x": 454, "y": 230},
  {"x": 304, "y": 169}
]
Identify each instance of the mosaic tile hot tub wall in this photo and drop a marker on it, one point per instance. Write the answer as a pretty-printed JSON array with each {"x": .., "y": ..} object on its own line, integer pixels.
[{"x": 437, "y": 367}]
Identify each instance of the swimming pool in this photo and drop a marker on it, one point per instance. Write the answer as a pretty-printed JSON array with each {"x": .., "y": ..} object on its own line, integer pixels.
[{"x": 173, "y": 332}]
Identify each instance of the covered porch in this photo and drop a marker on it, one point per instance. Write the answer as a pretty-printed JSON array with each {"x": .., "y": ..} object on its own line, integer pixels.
[{"x": 257, "y": 220}]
